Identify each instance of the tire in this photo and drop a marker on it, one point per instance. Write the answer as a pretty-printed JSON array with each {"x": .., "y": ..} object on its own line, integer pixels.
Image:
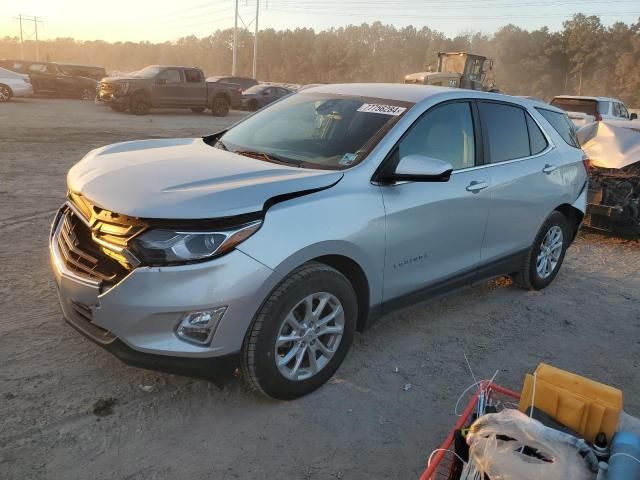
[
  {"x": 5, "y": 93},
  {"x": 118, "y": 108},
  {"x": 139, "y": 104},
  {"x": 87, "y": 94},
  {"x": 197, "y": 109},
  {"x": 530, "y": 276},
  {"x": 220, "y": 106},
  {"x": 314, "y": 282}
]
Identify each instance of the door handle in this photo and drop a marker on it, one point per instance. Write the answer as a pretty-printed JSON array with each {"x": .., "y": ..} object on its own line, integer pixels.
[
  {"x": 475, "y": 187},
  {"x": 549, "y": 169}
]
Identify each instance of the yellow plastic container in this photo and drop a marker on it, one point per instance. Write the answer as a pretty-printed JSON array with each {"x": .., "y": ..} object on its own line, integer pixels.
[{"x": 585, "y": 406}]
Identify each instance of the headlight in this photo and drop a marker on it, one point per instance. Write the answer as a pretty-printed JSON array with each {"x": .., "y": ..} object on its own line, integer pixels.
[
  {"x": 123, "y": 88},
  {"x": 162, "y": 247}
]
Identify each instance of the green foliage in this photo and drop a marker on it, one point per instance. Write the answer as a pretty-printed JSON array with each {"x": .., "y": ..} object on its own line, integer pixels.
[{"x": 584, "y": 58}]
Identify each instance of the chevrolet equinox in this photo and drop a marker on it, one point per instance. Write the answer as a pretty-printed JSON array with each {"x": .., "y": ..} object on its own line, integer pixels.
[{"x": 272, "y": 242}]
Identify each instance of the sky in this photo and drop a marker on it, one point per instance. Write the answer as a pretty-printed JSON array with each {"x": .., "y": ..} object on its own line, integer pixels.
[{"x": 160, "y": 20}]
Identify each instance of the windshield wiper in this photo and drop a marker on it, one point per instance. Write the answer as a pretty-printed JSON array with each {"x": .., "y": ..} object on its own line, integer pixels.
[{"x": 267, "y": 157}]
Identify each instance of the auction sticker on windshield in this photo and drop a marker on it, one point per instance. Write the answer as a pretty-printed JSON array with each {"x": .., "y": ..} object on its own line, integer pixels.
[{"x": 384, "y": 109}]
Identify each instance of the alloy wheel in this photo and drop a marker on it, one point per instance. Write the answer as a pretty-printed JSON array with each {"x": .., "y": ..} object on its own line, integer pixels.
[
  {"x": 550, "y": 251},
  {"x": 4, "y": 94},
  {"x": 309, "y": 336}
]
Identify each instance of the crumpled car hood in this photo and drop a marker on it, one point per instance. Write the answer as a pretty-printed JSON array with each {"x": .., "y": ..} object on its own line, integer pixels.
[
  {"x": 185, "y": 179},
  {"x": 611, "y": 143}
]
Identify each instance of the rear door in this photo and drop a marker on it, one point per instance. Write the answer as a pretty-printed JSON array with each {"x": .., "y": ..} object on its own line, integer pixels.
[
  {"x": 195, "y": 87},
  {"x": 528, "y": 175},
  {"x": 42, "y": 79},
  {"x": 435, "y": 229}
]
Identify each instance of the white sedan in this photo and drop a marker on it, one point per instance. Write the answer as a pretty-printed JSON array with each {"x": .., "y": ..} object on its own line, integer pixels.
[{"x": 14, "y": 84}]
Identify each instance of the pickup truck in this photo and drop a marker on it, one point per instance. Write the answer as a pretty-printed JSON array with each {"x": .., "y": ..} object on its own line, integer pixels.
[{"x": 168, "y": 86}]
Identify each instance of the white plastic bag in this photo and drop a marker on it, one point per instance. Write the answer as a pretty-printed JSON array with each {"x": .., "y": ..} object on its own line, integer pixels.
[{"x": 511, "y": 446}]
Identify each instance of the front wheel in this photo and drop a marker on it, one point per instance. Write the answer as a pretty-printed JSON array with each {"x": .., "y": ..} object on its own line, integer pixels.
[
  {"x": 545, "y": 257},
  {"x": 301, "y": 334},
  {"x": 87, "y": 94},
  {"x": 139, "y": 104},
  {"x": 220, "y": 107},
  {"x": 5, "y": 93}
]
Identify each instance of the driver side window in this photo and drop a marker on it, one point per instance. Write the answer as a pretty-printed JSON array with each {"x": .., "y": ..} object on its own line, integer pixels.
[
  {"x": 171, "y": 76},
  {"x": 445, "y": 133}
]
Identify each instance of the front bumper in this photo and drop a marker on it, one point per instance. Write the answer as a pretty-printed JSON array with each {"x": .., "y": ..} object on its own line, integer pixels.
[
  {"x": 136, "y": 318},
  {"x": 112, "y": 98}
]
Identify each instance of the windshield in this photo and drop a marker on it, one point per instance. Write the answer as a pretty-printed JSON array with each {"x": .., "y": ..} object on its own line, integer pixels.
[
  {"x": 582, "y": 105},
  {"x": 453, "y": 63},
  {"x": 146, "y": 72},
  {"x": 315, "y": 130}
]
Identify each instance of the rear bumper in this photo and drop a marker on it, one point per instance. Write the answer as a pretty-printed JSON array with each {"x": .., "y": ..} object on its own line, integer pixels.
[{"x": 25, "y": 90}]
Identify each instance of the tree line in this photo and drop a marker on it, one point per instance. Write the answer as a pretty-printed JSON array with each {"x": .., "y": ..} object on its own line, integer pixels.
[{"x": 585, "y": 57}]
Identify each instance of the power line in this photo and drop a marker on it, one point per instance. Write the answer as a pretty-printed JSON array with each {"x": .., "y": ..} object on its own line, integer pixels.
[{"x": 35, "y": 20}]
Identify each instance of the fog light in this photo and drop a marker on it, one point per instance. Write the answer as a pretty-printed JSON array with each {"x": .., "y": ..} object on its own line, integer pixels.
[{"x": 199, "y": 327}]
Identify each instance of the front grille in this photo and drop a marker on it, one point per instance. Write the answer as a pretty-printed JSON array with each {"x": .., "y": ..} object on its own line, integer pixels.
[{"x": 82, "y": 255}]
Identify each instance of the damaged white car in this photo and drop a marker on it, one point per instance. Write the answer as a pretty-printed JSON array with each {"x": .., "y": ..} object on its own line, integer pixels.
[{"x": 613, "y": 148}]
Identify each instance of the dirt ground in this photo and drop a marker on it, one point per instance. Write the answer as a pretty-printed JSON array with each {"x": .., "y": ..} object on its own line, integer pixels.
[{"x": 363, "y": 424}]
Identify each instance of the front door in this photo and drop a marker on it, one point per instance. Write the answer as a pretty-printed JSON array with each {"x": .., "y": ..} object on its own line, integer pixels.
[
  {"x": 169, "y": 89},
  {"x": 435, "y": 229}
]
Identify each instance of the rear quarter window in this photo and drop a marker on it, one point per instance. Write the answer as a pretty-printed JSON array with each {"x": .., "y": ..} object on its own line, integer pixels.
[{"x": 561, "y": 124}]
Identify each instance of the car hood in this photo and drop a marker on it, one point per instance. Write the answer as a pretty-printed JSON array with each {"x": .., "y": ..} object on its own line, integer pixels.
[
  {"x": 611, "y": 143},
  {"x": 185, "y": 179}
]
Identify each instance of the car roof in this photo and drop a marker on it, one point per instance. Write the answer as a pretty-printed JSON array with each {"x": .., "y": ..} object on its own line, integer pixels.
[
  {"x": 582, "y": 97},
  {"x": 172, "y": 66},
  {"x": 417, "y": 93}
]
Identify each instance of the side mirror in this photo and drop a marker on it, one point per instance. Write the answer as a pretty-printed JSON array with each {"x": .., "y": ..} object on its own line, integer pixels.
[
  {"x": 420, "y": 168},
  {"x": 633, "y": 116}
]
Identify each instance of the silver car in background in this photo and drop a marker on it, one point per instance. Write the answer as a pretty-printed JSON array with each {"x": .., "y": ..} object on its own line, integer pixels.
[
  {"x": 269, "y": 244},
  {"x": 14, "y": 84}
]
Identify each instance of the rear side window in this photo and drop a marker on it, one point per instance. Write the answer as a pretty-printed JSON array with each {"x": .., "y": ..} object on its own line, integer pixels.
[
  {"x": 193, "y": 76},
  {"x": 537, "y": 141},
  {"x": 561, "y": 123},
  {"x": 506, "y": 130},
  {"x": 445, "y": 133}
]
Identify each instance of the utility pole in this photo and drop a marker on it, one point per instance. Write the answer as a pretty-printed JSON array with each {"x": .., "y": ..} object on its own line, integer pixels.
[
  {"x": 235, "y": 41},
  {"x": 255, "y": 41},
  {"x": 21, "y": 39},
  {"x": 35, "y": 24}
]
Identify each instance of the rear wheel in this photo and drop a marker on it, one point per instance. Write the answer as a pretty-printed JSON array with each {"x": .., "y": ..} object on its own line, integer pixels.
[
  {"x": 197, "y": 109},
  {"x": 5, "y": 93},
  {"x": 545, "y": 257},
  {"x": 220, "y": 106},
  {"x": 139, "y": 104},
  {"x": 301, "y": 334}
]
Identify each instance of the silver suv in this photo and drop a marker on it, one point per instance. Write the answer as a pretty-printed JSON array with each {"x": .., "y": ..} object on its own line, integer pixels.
[{"x": 269, "y": 244}]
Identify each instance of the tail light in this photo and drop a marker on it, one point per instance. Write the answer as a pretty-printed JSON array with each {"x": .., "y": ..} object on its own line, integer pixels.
[
  {"x": 598, "y": 117},
  {"x": 587, "y": 163}
]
